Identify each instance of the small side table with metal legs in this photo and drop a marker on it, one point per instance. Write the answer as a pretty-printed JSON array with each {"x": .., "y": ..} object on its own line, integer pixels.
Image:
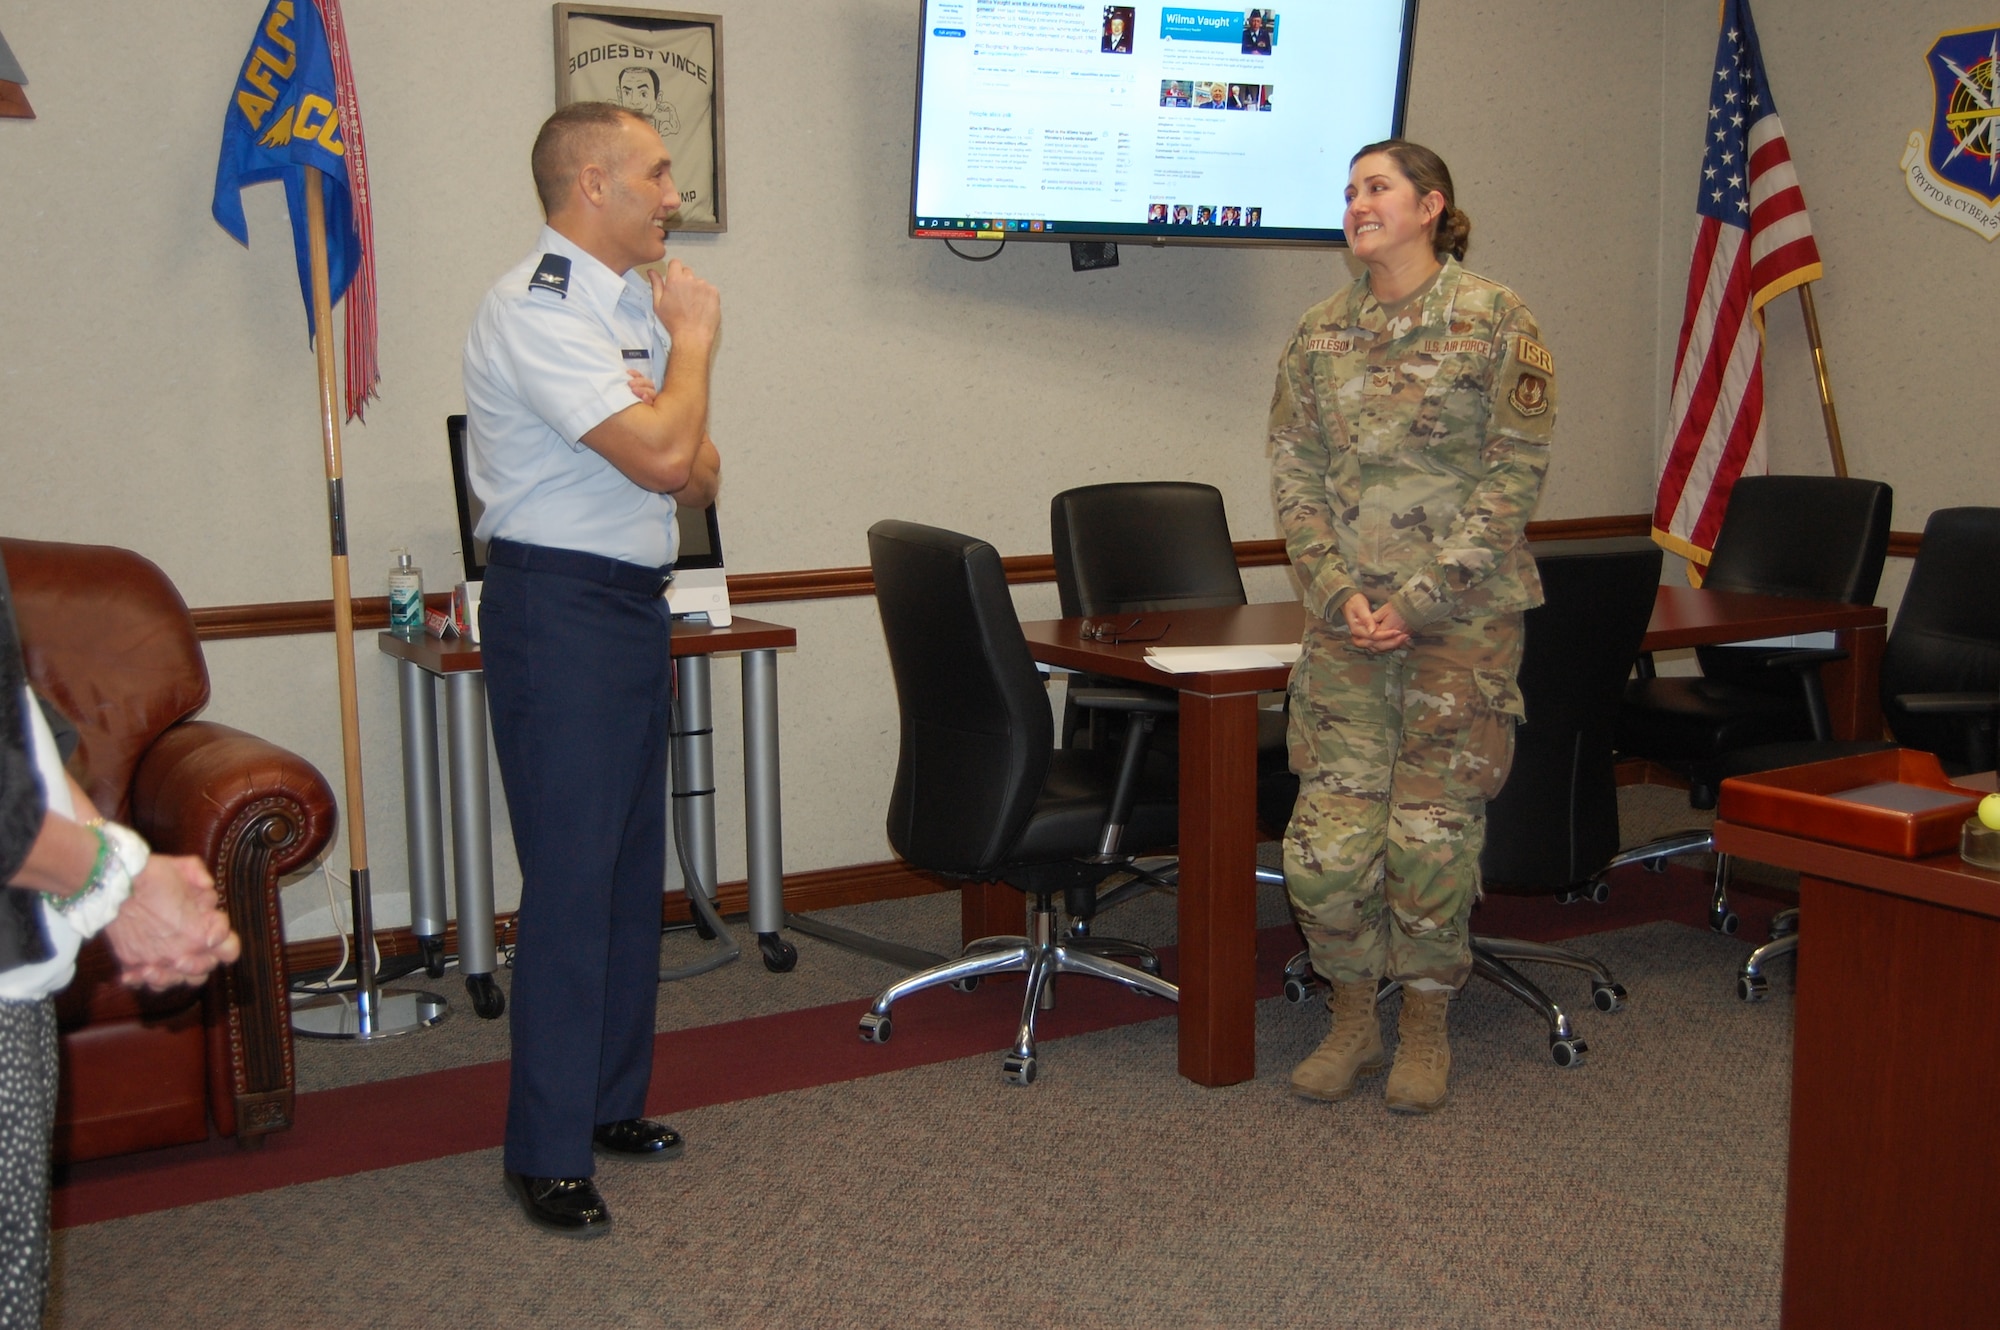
[{"x": 419, "y": 664}]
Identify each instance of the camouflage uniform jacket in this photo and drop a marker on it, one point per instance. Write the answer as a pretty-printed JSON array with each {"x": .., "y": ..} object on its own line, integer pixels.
[{"x": 1408, "y": 453}]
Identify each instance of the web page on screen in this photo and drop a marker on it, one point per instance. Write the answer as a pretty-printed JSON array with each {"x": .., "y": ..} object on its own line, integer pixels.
[{"x": 1062, "y": 117}]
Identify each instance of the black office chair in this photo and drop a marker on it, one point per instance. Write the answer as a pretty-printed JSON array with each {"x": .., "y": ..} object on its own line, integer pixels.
[
  {"x": 1149, "y": 548},
  {"x": 982, "y": 794},
  {"x": 1805, "y": 537},
  {"x": 1143, "y": 546},
  {"x": 1940, "y": 682},
  {"x": 1555, "y": 823}
]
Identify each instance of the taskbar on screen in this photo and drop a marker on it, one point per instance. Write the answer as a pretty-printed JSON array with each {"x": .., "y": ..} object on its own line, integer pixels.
[{"x": 1009, "y": 228}]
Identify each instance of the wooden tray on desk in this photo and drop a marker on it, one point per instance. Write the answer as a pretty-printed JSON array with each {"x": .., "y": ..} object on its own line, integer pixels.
[{"x": 1805, "y": 802}]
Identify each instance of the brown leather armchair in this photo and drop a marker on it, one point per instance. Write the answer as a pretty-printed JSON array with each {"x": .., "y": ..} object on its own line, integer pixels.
[{"x": 110, "y": 643}]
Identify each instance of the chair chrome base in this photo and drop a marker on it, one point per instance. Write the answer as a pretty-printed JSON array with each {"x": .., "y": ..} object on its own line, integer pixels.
[
  {"x": 1042, "y": 955},
  {"x": 1654, "y": 854},
  {"x": 1490, "y": 957},
  {"x": 1751, "y": 985}
]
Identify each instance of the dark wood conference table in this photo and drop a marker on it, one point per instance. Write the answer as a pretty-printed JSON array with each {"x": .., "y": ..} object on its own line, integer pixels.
[
  {"x": 1892, "y": 1192},
  {"x": 1218, "y": 758}
]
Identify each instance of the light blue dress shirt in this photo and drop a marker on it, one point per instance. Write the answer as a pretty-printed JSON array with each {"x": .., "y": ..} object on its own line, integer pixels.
[{"x": 543, "y": 368}]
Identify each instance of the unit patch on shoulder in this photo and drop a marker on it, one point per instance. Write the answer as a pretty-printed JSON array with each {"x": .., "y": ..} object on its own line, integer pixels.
[
  {"x": 1530, "y": 395},
  {"x": 1532, "y": 352},
  {"x": 552, "y": 274}
]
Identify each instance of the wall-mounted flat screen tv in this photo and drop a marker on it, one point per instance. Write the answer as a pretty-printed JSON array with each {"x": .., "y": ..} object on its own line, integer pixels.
[{"x": 1151, "y": 123}]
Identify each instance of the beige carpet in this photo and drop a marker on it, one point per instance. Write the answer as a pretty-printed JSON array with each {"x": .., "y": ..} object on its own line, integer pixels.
[{"x": 1643, "y": 1189}]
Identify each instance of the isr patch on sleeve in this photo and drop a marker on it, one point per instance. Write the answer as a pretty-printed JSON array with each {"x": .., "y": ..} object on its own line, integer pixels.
[{"x": 1532, "y": 352}]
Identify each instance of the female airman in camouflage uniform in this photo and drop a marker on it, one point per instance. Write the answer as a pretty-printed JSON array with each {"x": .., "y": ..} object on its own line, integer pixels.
[{"x": 1409, "y": 435}]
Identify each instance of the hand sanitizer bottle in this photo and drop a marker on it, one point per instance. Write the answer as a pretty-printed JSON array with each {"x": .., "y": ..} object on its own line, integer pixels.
[{"x": 406, "y": 599}]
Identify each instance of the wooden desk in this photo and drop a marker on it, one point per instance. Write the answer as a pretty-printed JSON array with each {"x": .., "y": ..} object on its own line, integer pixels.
[
  {"x": 422, "y": 661},
  {"x": 1892, "y": 1196},
  {"x": 1218, "y": 749}
]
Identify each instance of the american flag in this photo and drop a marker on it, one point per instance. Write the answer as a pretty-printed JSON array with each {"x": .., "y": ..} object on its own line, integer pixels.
[{"x": 1753, "y": 243}]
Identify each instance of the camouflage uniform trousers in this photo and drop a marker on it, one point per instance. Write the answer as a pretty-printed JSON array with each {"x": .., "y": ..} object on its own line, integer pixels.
[{"x": 1397, "y": 755}]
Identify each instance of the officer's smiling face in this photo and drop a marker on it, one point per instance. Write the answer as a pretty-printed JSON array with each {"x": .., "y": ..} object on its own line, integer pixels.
[
  {"x": 643, "y": 194},
  {"x": 1384, "y": 215}
]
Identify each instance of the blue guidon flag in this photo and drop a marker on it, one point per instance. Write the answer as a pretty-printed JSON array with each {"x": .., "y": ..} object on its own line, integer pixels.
[{"x": 293, "y": 107}]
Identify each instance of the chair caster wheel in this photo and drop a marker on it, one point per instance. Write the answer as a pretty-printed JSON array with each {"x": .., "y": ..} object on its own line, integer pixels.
[
  {"x": 1655, "y": 865},
  {"x": 1020, "y": 1070},
  {"x": 1724, "y": 922},
  {"x": 1298, "y": 990},
  {"x": 966, "y": 985},
  {"x": 487, "y": 999},
  {"x": 1752, "y": 987},
  {"x": 432, "y": 950},
  {"x": 1567, "y": 1052},
  {"x": 1608, "y": 997},
  {"x": 1599, "y": 891},
  {"x": 1568, "y": 896},
  {"x": 701, "y": 928},
  {"x": 1783, "y": 926},
  {"x": 779, "y": 955},
  {"x": 1150, "y": 964},
  {"x": 875, "y": 1029}
]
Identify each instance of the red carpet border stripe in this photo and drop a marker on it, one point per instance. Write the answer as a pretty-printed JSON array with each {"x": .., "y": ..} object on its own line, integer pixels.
[{"x": 384, "y": 1124}]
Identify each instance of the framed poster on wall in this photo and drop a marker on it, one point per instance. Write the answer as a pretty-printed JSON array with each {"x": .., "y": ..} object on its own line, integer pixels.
[{"x": 666, "y": 66}]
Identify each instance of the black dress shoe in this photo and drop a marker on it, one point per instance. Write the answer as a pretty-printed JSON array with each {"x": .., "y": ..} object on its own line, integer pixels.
[
  {"x": 638, "y": 1138},
  {"x": 570, "y": 1206}
]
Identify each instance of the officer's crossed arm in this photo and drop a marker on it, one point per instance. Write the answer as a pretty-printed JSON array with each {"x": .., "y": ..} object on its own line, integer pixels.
[{"x": 662, "y": 445}]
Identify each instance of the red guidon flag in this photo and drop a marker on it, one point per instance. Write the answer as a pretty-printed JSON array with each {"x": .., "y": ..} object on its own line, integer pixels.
[
  {"x": 1753, "y": 243},
  {"x": 364, "y": 373}
]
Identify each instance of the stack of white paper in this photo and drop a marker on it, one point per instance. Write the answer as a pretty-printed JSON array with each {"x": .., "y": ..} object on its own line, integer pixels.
[{"x": 1199, "y": 660}]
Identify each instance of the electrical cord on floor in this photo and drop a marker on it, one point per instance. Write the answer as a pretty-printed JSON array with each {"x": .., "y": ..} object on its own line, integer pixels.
[{"x": 696, "y": 890}]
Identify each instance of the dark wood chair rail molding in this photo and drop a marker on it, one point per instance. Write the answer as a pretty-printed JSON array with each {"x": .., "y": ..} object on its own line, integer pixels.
[{"x": 287, "y": 618}]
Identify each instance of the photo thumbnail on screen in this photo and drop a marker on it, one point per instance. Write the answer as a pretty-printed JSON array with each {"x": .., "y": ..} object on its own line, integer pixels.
[
  {"x": 1119, "y": 21},
  {"x": 1260, "y": 31}
]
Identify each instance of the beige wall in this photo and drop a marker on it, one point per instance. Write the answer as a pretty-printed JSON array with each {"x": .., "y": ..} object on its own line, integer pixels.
[{"x": 156, "y": 389}]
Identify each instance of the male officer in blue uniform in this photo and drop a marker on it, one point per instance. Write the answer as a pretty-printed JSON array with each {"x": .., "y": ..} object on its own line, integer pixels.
[{"x": 586, "y": 391}]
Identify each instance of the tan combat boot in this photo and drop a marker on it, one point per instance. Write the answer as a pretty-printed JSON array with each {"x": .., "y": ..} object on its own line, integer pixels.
[
  {"x": 1352, "y": 1047},
  {"x": 1423, "y": 1056}
]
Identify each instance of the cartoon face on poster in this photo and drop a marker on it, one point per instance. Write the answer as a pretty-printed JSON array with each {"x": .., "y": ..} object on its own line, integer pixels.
[{"x": 665, "y": 72}]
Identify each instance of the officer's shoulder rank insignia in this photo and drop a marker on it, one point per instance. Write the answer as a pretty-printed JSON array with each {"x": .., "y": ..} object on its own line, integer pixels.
[{"x": 552, "y": 274}]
